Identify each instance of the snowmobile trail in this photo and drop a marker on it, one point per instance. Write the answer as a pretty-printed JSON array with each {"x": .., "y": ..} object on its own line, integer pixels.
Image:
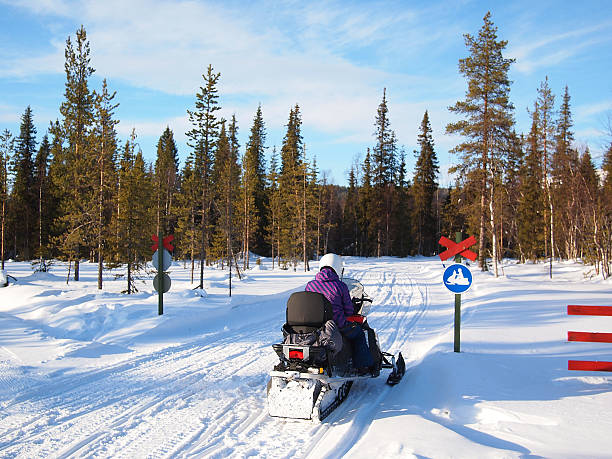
[
  {"x": 206, "y": 397},
  {"x": 399, "y": 305}
]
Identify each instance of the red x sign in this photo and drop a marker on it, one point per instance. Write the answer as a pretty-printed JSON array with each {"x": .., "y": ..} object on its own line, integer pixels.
[
  {"x": 460, "y": 248},
  {"x": 165, "y": 242}
]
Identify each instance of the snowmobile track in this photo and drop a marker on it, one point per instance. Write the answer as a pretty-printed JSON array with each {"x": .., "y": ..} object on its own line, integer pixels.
[{"x": 203, "y": 398}]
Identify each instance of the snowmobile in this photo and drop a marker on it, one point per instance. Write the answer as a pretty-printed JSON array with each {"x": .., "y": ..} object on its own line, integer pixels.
[{"x": 311, "y": 380}]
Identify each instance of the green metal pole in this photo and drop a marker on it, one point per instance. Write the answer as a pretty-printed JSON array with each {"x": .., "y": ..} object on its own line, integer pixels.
[
  {"x": 160, "y": 274},
  {"x": 457, "y": 345},
  {"x": 457, "y": 322}
]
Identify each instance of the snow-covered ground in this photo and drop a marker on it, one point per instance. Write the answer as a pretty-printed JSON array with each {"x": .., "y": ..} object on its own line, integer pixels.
[{"x": 89, "y": 373}]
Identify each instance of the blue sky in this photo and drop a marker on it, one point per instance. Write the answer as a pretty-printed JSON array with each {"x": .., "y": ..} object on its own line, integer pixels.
[{"x": 333, "y": 58}]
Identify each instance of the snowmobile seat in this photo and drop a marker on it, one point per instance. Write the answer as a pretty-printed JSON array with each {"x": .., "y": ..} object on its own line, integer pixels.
[{"x": 308, "y": 311}]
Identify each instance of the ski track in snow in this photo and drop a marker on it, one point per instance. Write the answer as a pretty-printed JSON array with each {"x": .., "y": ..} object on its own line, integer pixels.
[
  {"x": 399, "y": 306},
  {"x": 205, "y": 398}
]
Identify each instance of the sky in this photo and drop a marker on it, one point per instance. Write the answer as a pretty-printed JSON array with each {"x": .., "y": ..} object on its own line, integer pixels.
[{"x": 333, "y": 58}]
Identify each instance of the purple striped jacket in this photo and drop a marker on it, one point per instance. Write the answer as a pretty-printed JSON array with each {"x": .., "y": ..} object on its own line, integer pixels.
[{"x": 329, "y": 284}]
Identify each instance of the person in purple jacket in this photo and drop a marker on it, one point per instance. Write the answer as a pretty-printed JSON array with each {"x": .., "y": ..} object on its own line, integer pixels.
[{"x": 328, "y": 283}]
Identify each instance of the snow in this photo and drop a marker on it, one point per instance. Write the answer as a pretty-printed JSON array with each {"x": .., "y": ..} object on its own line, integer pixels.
[{"x": 87, "y": 373}]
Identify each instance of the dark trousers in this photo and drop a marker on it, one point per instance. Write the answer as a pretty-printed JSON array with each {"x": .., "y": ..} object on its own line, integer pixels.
[{"x": 361, "y": 354}]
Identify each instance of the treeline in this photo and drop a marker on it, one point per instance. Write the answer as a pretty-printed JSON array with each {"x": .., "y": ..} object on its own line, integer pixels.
[
  {"x": 82, "y": 193},
  {"x": 533, "y": 196}
]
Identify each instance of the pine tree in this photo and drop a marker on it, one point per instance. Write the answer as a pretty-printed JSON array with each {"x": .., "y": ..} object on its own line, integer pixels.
[
  {"x": 166, "y": 181},
  {"x": 75, "y": 165},
  {"x": 546, "y": 130},
  {"x": 203, "y": 138},
  {"x": 23, "y": 200},
  {"x": 488, "y": 116},
  {"x": 7, "y": 145},
  {"x": 103, "y": 145},
  {"x": 424, "y": 188}
]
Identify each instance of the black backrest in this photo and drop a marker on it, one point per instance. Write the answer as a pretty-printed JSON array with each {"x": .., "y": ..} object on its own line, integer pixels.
[{"x": 307, "y": 311}]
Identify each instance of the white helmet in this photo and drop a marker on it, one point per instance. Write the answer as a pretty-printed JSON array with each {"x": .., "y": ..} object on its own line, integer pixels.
[{"x": 333, "y": 261}]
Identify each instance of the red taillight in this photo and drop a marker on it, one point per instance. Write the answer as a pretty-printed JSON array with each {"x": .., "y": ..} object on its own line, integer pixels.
[
  {"x": 296, "y": 354},
  {"x": 356, "y": 318}
]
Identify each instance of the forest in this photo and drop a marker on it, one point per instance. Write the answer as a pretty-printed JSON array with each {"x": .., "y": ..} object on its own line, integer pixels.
[{"x": 81, "y": 193}]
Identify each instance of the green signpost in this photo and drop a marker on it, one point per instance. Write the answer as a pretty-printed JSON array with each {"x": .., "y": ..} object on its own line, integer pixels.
[
  {"x": 457, "y": 278},
  {"x": 457, "y": 341},
  {"x": 162, "y": 261}
]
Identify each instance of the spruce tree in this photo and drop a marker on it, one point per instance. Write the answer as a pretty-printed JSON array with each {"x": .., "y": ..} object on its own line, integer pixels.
[
  {"x": 7, "y": 144},
  {"x": 275, "y": 207},
  {"x": 531, "y": 218},
  {"x": 23, "y": 199},
  {"x": 487, "y": 113},
  {"x": 350, "y": 214},
  {"x": 367, "y": 206},
  {"x": 187, "y": 209},
  {"x": 400, "y": 221},
  {"x": 135, "y": 216},
  {"x": 43, "y": 201},
  {"x": 232, "y": 185},
  {"x": 166, "y": 181},
  {"x": 289, "y": 187},
  {"x": 564, "y": 179},
  {"x": 383, "y": 172},
  {"x": 605, "y": 211},
  {"x": 253, "y": 185},
  {"x": 510, "y": 194},
  {"x": 606, "y": 168},
  {"x": 424, "y": 188}
]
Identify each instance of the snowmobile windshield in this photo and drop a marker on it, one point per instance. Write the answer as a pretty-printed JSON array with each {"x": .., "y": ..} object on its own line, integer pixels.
[
  {"x": 354, "y": 286},
  {"x": 356, "y": 291}
]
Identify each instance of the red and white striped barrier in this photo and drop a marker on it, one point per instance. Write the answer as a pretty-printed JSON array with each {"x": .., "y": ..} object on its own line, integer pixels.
[{"x": 587, "y": 337}]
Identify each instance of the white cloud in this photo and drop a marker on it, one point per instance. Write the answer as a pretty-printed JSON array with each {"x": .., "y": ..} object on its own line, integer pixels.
[
  {"x": 166, "y": 46},
  {"x": 584, "y": 111},
  {"x": 555, "y": 49}
]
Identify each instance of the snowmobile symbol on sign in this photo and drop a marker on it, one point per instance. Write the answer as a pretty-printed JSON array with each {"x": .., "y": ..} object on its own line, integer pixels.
[{"x": 457, "y": 278}]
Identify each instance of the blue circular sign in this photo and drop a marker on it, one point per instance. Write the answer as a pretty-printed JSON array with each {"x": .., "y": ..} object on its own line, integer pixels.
[{"x": 457, "y": 278}]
